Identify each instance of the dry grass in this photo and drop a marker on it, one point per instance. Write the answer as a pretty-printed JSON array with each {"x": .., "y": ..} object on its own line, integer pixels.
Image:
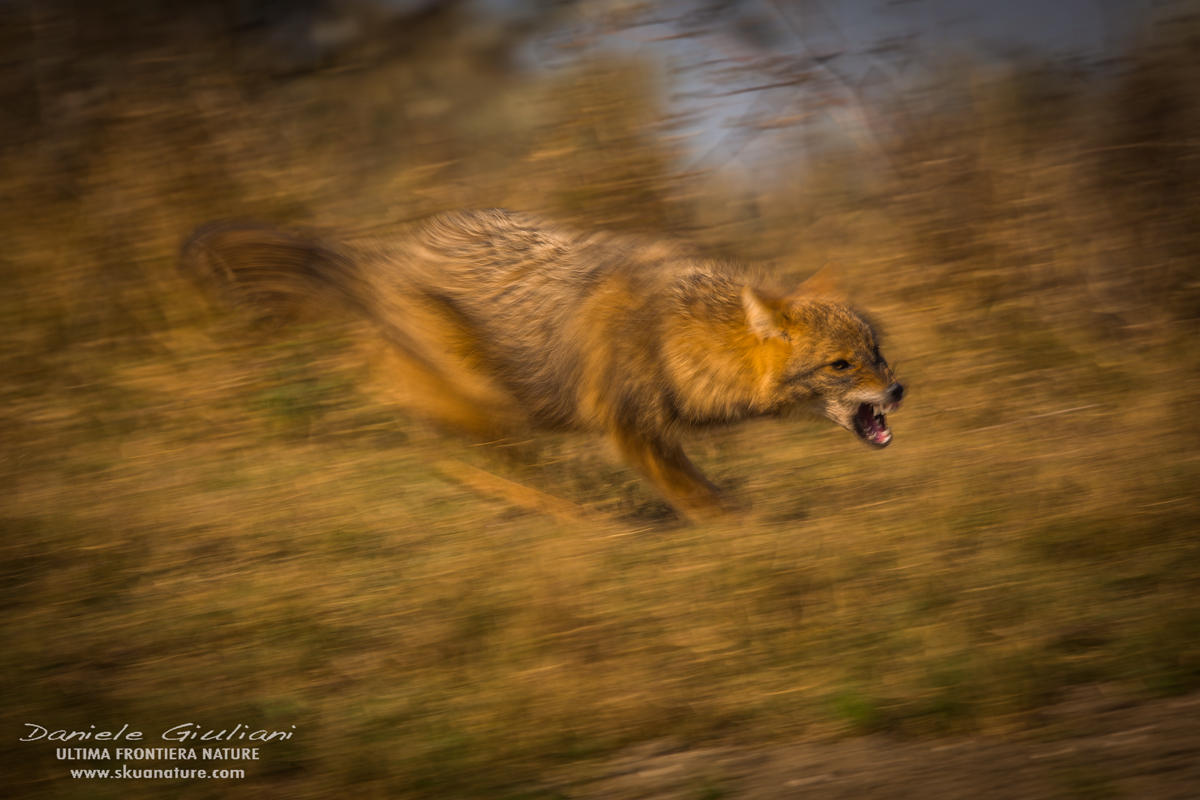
[{"x": 205, "y": 523}]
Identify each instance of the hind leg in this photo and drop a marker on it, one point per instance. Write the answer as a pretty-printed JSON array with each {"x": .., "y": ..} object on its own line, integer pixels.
[
  {"x": 456, "y": 399},
  {"x": 432, "y": 365}
]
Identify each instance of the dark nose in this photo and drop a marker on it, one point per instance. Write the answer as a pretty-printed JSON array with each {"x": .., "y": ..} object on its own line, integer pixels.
[{"x": 895, "y": 392}]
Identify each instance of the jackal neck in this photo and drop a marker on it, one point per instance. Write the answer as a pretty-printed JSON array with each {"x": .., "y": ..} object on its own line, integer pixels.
[{"x": 719, "y": 369}]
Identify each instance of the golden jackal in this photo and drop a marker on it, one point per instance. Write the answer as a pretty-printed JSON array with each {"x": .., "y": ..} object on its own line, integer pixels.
[{"x": 497, "y": 321}]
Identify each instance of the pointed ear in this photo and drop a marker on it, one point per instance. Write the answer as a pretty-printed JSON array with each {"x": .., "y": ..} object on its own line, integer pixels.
[
  {"x": 822, "y": 283},
  {"x": 764, "y": 315}
]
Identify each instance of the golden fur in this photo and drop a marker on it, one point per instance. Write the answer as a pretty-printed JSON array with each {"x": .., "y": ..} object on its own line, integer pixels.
[{"x": 496, "y": 321}]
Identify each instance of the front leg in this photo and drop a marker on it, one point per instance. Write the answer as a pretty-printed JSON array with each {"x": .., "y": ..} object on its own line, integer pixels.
[{"x": 669, "y": 469}]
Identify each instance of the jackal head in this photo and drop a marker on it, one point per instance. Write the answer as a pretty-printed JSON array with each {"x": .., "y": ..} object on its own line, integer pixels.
[{"x": 827, "y": 360}]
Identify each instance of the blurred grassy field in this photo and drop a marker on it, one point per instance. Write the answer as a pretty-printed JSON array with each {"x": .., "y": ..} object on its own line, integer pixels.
[{"x": 206, "y": 523}]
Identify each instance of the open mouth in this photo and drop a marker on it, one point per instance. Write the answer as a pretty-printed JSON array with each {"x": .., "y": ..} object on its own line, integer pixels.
[{"x": 871, "y": 425}]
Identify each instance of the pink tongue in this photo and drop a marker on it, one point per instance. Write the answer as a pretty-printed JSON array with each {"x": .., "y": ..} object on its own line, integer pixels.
[{"x": 874, "y": 429}]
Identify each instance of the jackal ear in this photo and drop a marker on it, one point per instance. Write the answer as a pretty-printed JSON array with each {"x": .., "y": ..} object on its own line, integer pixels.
[
  {"x": 823, "y": 284},
  {"x": 764, "y": 315}
]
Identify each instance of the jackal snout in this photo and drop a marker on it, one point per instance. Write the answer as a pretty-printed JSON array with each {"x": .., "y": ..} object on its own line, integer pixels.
[{"x": 869, "y": 420}]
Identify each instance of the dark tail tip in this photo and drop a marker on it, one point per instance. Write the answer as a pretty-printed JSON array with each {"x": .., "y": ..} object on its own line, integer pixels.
[{"x": 272, "y": 272}]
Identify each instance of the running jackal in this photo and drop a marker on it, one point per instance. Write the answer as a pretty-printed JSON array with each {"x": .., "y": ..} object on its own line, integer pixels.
[{"x": 496, "y": 322}]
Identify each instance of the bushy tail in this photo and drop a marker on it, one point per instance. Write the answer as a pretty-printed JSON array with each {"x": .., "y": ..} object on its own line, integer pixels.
[{"x": 273, "y": 273}]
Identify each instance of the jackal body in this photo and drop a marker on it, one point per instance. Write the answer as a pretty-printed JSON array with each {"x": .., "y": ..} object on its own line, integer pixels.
[{"x": 496, "y": 321}]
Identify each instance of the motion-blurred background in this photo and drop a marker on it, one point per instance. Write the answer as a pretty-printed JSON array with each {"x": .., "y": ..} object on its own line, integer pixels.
[{"x": 205, "y": 523}]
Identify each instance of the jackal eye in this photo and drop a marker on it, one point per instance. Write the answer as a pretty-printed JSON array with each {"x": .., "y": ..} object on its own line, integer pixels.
[{"x": 840, "y": 364}]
